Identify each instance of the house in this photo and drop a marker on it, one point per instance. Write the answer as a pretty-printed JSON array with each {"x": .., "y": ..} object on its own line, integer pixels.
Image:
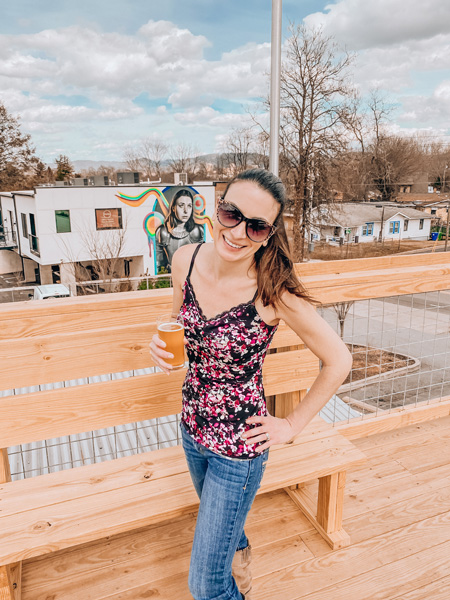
[
  {"x": 53, "y": 233},
  {"x": 364, "y": 222}
]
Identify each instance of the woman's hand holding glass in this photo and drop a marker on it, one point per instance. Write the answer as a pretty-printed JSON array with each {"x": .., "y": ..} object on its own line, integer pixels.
[
  {"x": 167, "y": 345},
  {"x": 158, "y": 354}
]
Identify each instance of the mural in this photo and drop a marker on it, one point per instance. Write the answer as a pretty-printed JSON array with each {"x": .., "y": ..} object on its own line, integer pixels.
[{"x": 178, "y": 218}]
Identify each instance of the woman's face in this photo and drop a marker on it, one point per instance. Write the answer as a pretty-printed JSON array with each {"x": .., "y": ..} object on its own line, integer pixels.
[
  {"x": 232, "y": 244},
  {"x": 183, "y": 208}
]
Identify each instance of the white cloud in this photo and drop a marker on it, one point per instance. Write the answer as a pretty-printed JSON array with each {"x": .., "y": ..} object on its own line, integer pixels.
[
  {"x": 362, "y": 24},
  {"x": 208, "y": 117},
  {"x": 432, "y": 111}
]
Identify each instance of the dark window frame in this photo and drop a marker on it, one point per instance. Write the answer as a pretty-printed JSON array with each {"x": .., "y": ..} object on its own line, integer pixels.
[
  {"x": 56, "y": 220},
  {"x": 23, "y": 217}
]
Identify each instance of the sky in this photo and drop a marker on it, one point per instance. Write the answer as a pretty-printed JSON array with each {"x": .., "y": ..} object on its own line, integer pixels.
[{"x": 88, "y": 79}]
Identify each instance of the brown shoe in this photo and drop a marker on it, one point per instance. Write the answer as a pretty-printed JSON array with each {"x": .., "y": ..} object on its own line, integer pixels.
[{"x": 241, "y": 571}]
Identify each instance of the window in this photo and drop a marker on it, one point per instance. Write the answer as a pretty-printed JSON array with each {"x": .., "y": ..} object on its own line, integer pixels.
[
  {"x": 421, "y": 223},
  {"x": 394, "y": 226},
  {"x": 62, "y": 221},
  {"x": 108, "y": 218},
  {"x": 405, "y": 225},
  {"x": 367, "y": 229},
  {"x": 24, "y": 225}
]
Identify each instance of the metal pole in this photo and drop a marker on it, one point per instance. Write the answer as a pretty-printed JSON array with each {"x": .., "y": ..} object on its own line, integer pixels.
[
  {"x": 275, "y": 73},
  {"x": 447, "y": 228}
]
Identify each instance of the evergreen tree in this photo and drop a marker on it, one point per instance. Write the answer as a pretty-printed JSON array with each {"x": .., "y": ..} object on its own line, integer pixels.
[
  {"x": 17, "y": 155},
  {"x": 64, "y": 168}
]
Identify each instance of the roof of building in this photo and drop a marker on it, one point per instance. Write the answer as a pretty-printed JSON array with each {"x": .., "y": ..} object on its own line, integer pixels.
[{"x": 353, "y": 214}]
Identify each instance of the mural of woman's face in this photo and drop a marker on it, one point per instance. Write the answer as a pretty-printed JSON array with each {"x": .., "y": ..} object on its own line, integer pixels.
[{"x": 183, "y": 208}]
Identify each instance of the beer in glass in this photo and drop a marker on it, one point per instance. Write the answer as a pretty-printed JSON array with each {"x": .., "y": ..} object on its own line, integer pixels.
[{"x": 171, "y": 331}]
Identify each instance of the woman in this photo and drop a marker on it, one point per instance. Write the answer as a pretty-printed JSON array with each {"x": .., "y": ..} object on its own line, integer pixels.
[
  {"x": 178, "y": 230},
  {"x": 225, "y": 427}
]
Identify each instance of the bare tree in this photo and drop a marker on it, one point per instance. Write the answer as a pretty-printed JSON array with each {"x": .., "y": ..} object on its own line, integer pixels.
[
  {"x": 238, "y": 147},
  {"x": 315, "y": 94},
  {"x": 438, "y": 165},
  {"x": 341, "y": 309},
  {"x": 106, "y": 250},
  {"x": 131, "y": 158},
  {"x": 154, "y": 153},
  {"x": 184, "y": 158},
  {"x": 394, "y": 159}
]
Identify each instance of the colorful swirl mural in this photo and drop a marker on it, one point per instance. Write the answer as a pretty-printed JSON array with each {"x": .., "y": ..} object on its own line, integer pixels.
[{"x": 159, "y": 215}]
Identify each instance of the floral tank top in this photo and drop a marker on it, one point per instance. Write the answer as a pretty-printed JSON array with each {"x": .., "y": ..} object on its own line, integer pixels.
[{"x": 223, "y": 384}]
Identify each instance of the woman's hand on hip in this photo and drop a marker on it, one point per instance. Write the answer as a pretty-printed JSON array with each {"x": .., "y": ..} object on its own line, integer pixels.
[{"x": 280, "y": 431}]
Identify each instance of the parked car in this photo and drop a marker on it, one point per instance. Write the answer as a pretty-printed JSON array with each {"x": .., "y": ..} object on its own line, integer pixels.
[{"x": 44, "y": 292}]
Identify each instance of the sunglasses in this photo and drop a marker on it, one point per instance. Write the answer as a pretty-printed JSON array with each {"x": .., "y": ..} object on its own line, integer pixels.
[{"x": 230, "y": 216}]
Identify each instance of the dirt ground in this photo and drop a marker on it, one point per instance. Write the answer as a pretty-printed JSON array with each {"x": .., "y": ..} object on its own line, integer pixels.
[
  {"x": 373, "y": 361},
  {"x": 324, "y": 251}
]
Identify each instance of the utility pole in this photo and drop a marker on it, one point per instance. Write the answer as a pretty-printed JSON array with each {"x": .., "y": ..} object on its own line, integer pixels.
[{"x": 275, "y": 75}]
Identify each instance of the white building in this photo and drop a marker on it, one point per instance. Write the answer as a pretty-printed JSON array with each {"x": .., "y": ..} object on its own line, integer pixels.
[
  {"x": 47, "y": 231},
  {"x": 362, "y": 222}
]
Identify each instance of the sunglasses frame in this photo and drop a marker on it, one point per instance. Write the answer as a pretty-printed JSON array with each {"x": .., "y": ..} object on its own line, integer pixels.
[{"x": 247, "y": 220}]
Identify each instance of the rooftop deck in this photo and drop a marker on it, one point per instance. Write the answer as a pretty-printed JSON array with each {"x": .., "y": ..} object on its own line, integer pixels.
[{"x": 396, "y": 510}]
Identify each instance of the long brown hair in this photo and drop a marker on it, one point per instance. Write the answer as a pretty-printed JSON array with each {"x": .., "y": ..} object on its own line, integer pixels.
[{"x": 274, "y": 266}]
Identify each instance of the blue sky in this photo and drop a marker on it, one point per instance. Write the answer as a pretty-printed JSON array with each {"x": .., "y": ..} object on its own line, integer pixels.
[{"x": 90, "y": 78}]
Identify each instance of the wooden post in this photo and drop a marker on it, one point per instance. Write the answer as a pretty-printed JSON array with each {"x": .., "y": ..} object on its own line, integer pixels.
[
  {"x": 10, "y": 575},
  {"x": 286, "y": 403},
  {"x": 330, "y": 502}
]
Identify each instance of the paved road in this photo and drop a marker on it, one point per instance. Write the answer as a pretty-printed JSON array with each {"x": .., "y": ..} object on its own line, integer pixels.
[{"x": 414, "y": 325}]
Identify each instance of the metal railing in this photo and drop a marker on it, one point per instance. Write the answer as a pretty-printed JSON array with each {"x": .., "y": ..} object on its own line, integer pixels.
[{"x": 8, "y": 239}]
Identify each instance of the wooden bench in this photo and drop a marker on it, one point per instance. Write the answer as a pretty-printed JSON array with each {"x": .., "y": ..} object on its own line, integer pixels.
[{"x": 82, "y": 337}]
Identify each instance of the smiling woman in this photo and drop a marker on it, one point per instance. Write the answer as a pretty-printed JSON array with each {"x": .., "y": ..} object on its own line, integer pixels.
[{"x": 232, "y": 294}]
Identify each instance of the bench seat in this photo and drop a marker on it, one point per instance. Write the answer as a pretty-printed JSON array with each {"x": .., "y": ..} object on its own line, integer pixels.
[{"x": 64, "y": 509}]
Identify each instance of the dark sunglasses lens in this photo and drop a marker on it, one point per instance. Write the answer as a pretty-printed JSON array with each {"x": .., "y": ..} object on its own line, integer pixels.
[
  {"x": 258, "y": 231},
  {"x": 228, "y": 216}
]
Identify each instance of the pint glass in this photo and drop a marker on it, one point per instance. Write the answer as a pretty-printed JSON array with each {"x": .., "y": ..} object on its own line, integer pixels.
[{"x": 171, "y": 331}]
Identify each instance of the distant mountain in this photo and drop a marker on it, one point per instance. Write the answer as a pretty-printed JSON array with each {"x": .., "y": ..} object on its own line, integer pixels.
[
  {"x": 225, "y": 158},
  {"x": 82, "y": 165}
]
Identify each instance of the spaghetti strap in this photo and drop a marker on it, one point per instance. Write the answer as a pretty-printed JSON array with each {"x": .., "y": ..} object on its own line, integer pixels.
[{"x": 193, "y": 258}]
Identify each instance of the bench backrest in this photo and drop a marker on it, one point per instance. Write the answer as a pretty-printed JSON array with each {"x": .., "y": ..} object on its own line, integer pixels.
[{"x": 75, "y": 338}]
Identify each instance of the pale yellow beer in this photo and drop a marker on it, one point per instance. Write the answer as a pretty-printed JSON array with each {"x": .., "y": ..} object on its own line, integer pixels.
[{"x": 171, "y": 331}]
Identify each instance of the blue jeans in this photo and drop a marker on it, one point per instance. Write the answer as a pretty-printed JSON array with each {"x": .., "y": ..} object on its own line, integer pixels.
[{"x": 226, "y": 489}]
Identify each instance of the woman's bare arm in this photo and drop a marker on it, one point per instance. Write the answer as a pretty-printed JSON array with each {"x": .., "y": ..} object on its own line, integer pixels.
[{"x": 336, "y": 359}]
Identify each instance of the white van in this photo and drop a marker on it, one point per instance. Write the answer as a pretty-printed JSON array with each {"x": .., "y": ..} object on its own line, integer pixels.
[{"x": 57, "y": 290}]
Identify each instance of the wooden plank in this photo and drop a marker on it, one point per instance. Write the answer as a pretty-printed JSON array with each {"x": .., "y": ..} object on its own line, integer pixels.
[
  {"x": 382, "y": 516},
  {"x": 96, "y": 479},
  {"x": 96, "y": 563},
  {"x": 100, "y": 477},
  {"x": 10, "y": 575},
  {"x": 50, "y": 358},
  {"x": 436, "y": 590},
  {"x": 331, "y": 281},
  {"x": 68, "y": 315},
  {"x": 381, "y": 566},
  {"x": 49, "y": 528},
  {"x": 48, "y": 414},
  {"x": 372, "y": 263},
  {"x": 406, "y": 574},
  {"x": 395, "y": 419}
]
